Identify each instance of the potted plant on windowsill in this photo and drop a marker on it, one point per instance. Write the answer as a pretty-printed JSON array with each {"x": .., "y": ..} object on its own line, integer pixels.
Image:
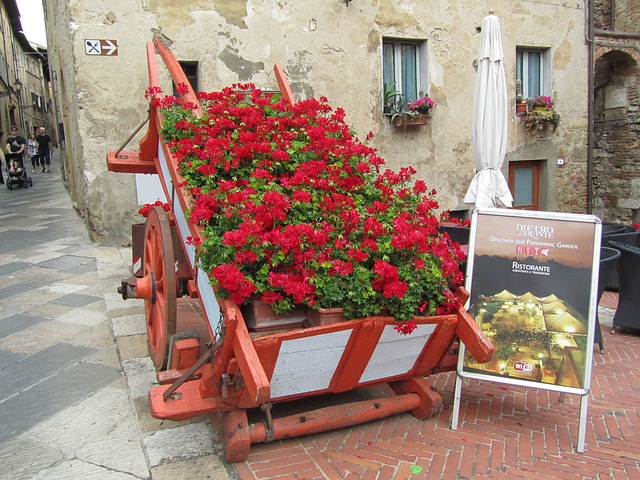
[
  {"x": 542, "y": 103},
  {"x": 540, "y": 113},
  {"x": 405, "y": 113},
  {"x": 295, "y": 210},
  {"x": 521, "y": 105}
]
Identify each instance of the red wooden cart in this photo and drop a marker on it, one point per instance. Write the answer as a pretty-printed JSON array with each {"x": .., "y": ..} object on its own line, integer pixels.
[{"x": 234, "y": 370}]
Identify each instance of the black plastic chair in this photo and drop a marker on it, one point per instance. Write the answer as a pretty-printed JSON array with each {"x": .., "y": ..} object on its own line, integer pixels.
[
  {"x": 628, "y": 311},
  {"x": 608, "y": 260},
  {"x": 627, "y": 238},
  {"x": 609, "y": 228},
  {"x": 457, "y": 234}
]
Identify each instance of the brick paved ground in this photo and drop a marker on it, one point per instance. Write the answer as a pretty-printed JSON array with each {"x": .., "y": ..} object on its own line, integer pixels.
[{"x": 505, "y": 432}]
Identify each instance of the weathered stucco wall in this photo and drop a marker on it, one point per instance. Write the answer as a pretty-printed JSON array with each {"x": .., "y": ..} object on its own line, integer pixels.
[{"x": 330, "y": 50}]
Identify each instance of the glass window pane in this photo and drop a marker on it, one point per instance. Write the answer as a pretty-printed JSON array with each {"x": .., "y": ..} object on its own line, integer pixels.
[
  {"x": 534, "y": 74},
  {"x": 523, "y": 186},
  {"x": 519, "y": 73},
  {"x": 409, "y": 71},
  {"x": 388, "y": 72}
]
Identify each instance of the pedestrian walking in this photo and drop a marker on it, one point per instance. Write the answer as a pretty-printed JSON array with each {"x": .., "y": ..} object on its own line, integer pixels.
[
  {"x": 15, "y": 147},
  {"x": 44, "y": 149},
  {"x": 32, "y": 150}
]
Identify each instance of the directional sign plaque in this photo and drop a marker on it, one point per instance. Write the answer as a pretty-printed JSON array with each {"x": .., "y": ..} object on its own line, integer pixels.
[{"x": 107, "y": 48}]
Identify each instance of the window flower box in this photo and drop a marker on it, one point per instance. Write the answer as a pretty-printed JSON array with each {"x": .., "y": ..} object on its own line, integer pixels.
[
  {"x": 410, "y": 120},
  {"x": 536, "y": 120},
  {"x": 404, "y": 112}
]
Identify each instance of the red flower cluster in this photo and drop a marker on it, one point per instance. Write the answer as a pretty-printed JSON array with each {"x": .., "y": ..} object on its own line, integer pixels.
[
  {"x": 295, "y": 209},
  {"x": 446, "y": 217},
  {"x": 146, "y": 208}
]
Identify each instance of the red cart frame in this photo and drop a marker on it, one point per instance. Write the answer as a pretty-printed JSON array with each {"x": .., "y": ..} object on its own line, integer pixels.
[{"x": 238, "y": 372}]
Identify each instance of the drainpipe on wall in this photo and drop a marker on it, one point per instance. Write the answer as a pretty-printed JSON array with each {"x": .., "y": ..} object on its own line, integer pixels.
[{"x": 590, "y": 106}]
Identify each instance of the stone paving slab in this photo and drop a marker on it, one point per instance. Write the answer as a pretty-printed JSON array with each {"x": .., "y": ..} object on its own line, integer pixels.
[
  {"x": 76, "y": 300},
  {"x": 105, "y": 432},
  {"x": 12, "y": 267},
  {"x": 184, "y": 442},
  {"x": 8, "y": 358},
  {"x": 34, "y": 456},
  {"x": 207, "y": 467},
  {"x": 18, "y": 322},
  {"x": 17, "y": 289},
  {"x": 41, "y": 336},
  {"x": 74, "y": 365},
  {"x": 77, "y": 470},
  {"x": 23, "y": 411},
  {"x": 66, "y": 261},
  {"x": 36, "y": 368}
]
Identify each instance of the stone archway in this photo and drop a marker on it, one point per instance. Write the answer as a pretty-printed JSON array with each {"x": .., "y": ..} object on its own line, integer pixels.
[{"x": 616, "y": 153}]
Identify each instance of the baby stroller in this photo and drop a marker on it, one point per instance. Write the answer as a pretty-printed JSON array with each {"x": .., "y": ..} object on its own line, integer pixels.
[{"x": 17, "y": 174}]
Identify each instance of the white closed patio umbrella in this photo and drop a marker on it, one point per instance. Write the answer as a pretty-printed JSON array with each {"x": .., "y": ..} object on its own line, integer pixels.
[{"x": 489, "y": 124}]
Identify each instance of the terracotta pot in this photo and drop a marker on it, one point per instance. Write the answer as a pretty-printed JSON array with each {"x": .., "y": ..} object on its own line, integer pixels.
[
  {"x": 260, "y": 317},
  {"x": 521, "y": 108},
  {"x": 407, "y": 120},
  {"x": 325, "y": 316}
]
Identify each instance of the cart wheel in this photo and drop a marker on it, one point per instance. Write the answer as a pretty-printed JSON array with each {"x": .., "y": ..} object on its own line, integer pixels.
[
  {"x": 237, "y": 439},
  {"x": 9, "y": 185},
  {"x": 30, "y": 182},
  {"x": 159, "y": 264}
]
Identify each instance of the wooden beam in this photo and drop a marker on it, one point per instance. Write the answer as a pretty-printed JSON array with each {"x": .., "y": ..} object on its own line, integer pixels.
[
  {"x": 285, "y": 90},
  {"x": 129, "y": 162}
]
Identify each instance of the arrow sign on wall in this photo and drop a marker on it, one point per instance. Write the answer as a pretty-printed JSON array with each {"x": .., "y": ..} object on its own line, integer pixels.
[{"x": 101, "y": 47}]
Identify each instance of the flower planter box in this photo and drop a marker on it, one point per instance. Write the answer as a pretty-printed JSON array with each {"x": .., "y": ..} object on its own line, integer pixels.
[
  {"x": 325, "y": 316},
  {"x": 410, "y": 120},
  {"x": 268, "y": 224},
  {"x": 260, "y": 317}
]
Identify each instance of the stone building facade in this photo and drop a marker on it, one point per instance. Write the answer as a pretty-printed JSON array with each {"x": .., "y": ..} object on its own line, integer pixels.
[
  {"x": 616, "y": 126},
  {"x": 337, "y": 49},
  {"x": 25, "y": 99}
]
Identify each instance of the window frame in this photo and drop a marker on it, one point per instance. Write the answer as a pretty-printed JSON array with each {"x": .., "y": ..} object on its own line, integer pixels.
[
  {"x": 536, "y": 166},
  {"x": 522, "y": 66},
  {"x": 421, "y": 64},
  {"x": 191, "y": 70}
]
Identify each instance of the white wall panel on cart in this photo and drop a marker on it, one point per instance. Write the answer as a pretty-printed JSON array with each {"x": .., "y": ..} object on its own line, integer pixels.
[
  {"x": 307, "y": 364},
  {"x": 183, "y": 228},
  {"x": 395, "y": 353},
  {"x": 207, "y": 297},
  {"x": 166, "y": 175},
  {"x": 149, "y": 188}
]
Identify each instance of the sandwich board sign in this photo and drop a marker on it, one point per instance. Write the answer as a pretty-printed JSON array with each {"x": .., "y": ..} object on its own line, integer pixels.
[{"x": 533, "y": 280}]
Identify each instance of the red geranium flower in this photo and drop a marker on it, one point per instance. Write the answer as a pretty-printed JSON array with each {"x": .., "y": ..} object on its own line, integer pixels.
[{"x": 295, "y": 210}]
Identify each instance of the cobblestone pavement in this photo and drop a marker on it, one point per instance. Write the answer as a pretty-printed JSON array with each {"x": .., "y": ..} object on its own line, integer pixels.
[{"x": 74, "y": 369}]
